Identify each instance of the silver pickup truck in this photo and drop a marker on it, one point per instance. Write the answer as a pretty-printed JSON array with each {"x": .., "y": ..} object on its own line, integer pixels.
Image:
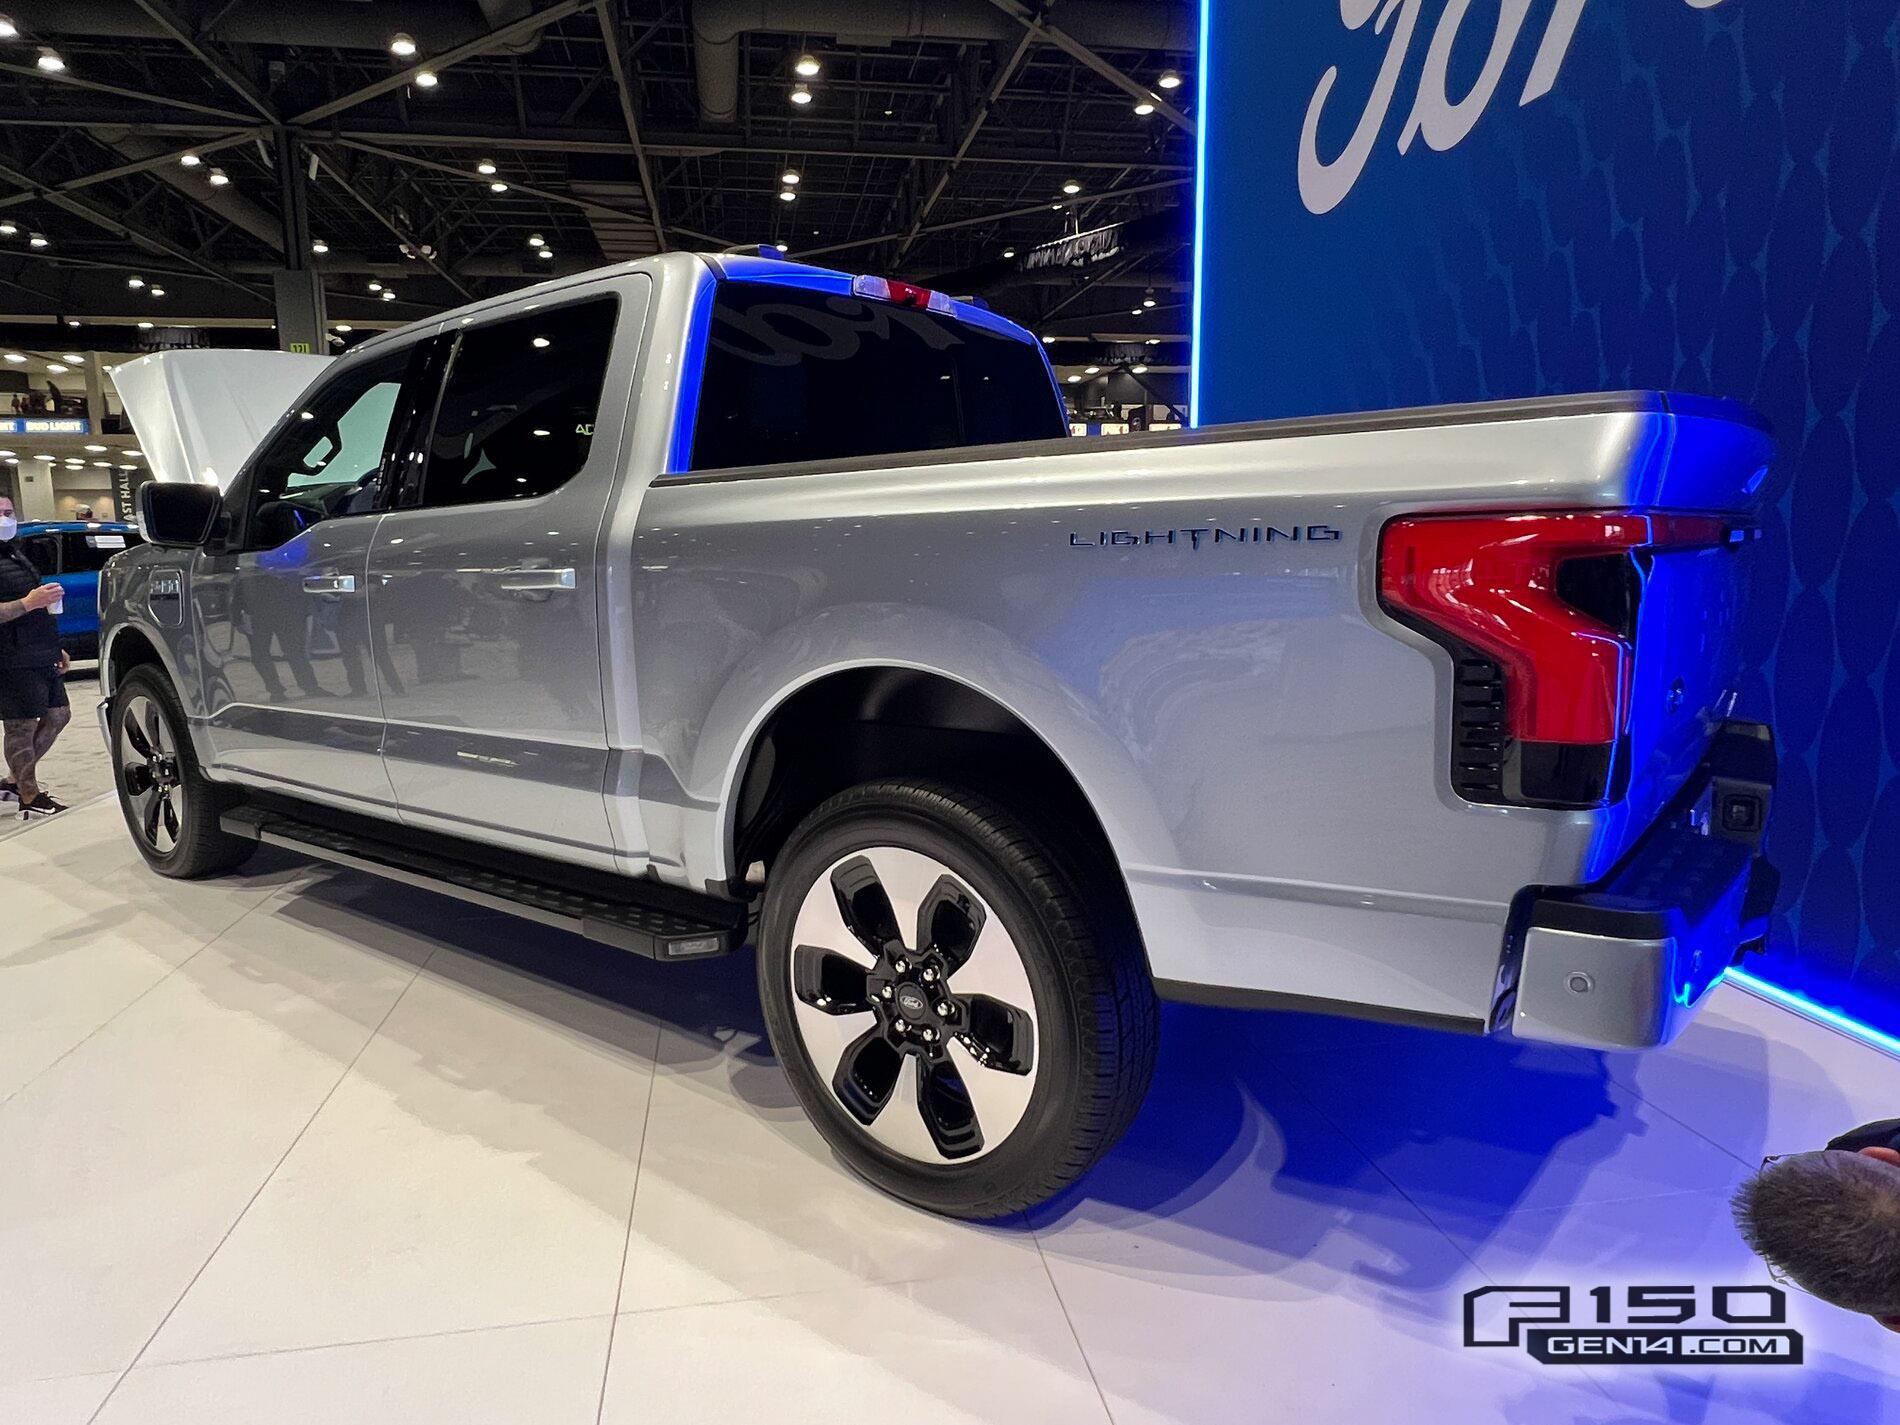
[{"x": 704, "y": 601}]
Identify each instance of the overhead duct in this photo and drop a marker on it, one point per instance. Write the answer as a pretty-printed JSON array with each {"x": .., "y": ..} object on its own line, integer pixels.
[{"x": 718, "y": 24}]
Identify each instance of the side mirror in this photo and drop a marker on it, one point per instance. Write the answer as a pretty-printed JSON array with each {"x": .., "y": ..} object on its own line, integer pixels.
[{"x": 179, "y": 516}]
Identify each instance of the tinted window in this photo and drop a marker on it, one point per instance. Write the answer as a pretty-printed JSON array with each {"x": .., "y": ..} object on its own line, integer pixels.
[
  {"x": 328, "y": 458},
  {"x": 517, "y": 413},
  {"x": 87, "y": 553},
  {"x": 42, "y": 552},
  {"x": 796, "y": 375}
]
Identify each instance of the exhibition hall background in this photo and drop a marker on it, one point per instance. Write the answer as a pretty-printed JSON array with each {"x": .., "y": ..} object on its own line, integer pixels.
[{"x": 1481, "y": 199}]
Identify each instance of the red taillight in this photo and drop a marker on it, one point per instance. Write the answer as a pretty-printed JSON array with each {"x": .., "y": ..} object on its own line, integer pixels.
[
  {"x": 1491, "y": 583},
  {"x": 902, "y": 294}
]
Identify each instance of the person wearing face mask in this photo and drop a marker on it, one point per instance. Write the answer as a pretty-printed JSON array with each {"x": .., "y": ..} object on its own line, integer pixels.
[{"x": 33, "y": 706}]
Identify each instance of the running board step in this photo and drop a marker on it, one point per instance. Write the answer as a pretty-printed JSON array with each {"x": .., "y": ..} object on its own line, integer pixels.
[{"x": 659, "y": 922}]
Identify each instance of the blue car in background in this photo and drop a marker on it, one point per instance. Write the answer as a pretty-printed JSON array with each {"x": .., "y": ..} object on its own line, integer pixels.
[{"x": 71, "y": 553}]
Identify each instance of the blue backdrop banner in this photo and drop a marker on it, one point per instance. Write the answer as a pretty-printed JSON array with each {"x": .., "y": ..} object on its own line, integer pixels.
[{"x": 1406, "y": 202}]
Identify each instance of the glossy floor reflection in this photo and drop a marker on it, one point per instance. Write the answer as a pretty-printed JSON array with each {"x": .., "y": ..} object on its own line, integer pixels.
[{"x": 301, "y": 1146}]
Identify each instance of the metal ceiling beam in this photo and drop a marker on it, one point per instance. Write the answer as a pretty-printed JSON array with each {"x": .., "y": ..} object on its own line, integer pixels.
[
  {"x": 605, "y": 210},
  {"x": 1078, "y": 204},
  {"x": 970, "y": 130},
  {"x": 481, "y": 44},
  {"x": 124, "y": 170},
  {"x": 1082, "y": 54},
  {"x": 233, "y": 78},
  {"x": 99, "y": 217},
  {"x": 606, "y": 12},
  {"x": 375, "y": 210},
  {"x": 62, "y": 77}
]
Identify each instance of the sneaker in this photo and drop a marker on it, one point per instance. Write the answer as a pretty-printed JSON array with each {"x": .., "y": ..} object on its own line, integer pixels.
[
  {"x": 9, "y": 792},
  {"x": 42, "y": 805}
]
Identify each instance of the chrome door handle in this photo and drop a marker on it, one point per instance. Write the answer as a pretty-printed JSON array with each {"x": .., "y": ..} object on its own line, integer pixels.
[
  {"x": 529, "y": 580},
  {"x": 330, "y": 584}
]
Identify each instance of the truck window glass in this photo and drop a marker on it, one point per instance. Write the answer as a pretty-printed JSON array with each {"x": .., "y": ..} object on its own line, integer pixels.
[
  {"x": 795, "y": 375},
  {"x": 327, "y": 458},
  {"x": 87, "y": 553},
  {"x": 517, "y": 413}
]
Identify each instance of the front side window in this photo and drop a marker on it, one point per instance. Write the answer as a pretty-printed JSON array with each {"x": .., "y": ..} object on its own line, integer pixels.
[
  {"x": 518, "y": 409},
  {"x": 87, "y": 553},
  {"x": 794, "y": 375},
  {"x": 328, "y": 458}
]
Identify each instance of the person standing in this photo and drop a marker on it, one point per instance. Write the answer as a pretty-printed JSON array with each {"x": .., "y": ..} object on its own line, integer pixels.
[{"x": 33, "y": 705}]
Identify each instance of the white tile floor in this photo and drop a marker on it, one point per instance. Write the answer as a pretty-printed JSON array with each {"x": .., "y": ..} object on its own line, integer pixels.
[{"x": 300, "y": 1146}]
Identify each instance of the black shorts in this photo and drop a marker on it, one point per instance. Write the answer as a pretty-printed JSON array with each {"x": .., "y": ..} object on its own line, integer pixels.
[{"x": 30, "y": 692}]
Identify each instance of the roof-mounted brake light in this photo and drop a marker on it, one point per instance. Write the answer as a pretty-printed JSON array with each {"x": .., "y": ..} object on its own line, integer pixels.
[{"x": 903, "y": 294}]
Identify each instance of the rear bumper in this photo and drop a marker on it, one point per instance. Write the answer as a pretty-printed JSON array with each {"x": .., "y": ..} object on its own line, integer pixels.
[{"x": 1623, "y": 964}]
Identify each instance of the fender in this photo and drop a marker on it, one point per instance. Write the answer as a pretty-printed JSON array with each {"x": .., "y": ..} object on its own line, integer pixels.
[{"x": 844, "y": 637}]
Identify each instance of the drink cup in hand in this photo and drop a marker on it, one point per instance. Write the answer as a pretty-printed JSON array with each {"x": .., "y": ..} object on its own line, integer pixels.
[{"x": 47, "y": 596}]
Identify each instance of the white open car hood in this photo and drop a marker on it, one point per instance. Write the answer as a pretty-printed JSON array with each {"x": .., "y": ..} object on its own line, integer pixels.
[{"x": 199, "y": 414}]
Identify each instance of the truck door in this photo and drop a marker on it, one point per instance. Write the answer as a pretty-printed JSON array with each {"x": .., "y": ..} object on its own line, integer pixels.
[
  {"x": 282, "y": 605},
  {"x": 484, "y": 580}
]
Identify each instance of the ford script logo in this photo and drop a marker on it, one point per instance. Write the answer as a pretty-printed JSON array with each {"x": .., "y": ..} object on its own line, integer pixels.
[
  {"x": 1195, "y": 536},
  {"x": 1444, "y": 121}
]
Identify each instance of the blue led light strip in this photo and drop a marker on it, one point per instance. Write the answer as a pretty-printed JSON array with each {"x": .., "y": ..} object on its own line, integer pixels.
[
  {"x": 1820, "y": 1013},
  {"x": 1202, "y": 117}
]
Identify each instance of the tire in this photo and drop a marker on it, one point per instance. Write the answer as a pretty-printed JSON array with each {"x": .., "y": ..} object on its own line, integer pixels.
[
  {"x": 169, "y": 806},
  {"x": 1010, "y": 1086}
]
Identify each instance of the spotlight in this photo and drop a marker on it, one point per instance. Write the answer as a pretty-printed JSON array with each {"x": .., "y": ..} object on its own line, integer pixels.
[
  {"x": 57, "y": 368},
  {"x": 8, "y": 30},
  {"x": 189, "y": 160},
  {"x": 498, "y": 187},
  {"x": 800, "y": 94},
  {"x": 37, "y": 240},
  {"x": 786, "y": 195},
  {"x": 806, "y": 66},
  {"x": 1009, "y": 252},
  {"x": 1170, "y": 80},
  {"x": 1147, "y": 301},
  {"x": 546, "y": 252},
  {"x": 426, "y": 79},
  {"x": 1145, "y": 108},
  {"x": 539, "y": 342},
  {"x": 72, "y": 321},
  {"x": 402, "y": 46},
  {"x": 344, "y": 327},
  {"x": 486, "y": 167},
  {"x": 145, "y": 326},
  {"x": 156, "y": 291},
  {"x": 14, "y": 357},
  {"x": 375, "y": 286},
  {"x": 135, "y": 282},
  {"x": 1074, "y": 379},
  {"x": 536, "y": 240},
  {"x": 1092, "y": 370},
  {"x": 1139, "y": 370},
  {"x": 781, "y": 247},
  {"x": 8, "y": 229},
  {"x": 789, "y": 178},
  {"x": 49, "y": 60},
  {"x": 1071, "y": 187},
  {"x": 319, "y": 247},
  {"x": 1048, "y": 341},
  {"x": 388, "y": 296},
  {"x": 219, "y": 178}
]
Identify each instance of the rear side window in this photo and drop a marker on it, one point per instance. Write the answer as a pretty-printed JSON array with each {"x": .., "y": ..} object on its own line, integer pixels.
[
  {"x": 518, "y": 409},
  {"x": 87, "y": 553},
  {"x": 795, "y": 375}
]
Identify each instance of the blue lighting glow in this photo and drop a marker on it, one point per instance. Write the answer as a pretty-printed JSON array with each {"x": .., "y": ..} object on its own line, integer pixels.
[
  {"x": 1202, "y": 117},
  {"x": 1820, "y": 1013}
]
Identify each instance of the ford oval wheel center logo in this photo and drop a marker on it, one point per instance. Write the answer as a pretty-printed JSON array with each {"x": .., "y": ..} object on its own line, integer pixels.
[{"x": 911, "y": 1002}]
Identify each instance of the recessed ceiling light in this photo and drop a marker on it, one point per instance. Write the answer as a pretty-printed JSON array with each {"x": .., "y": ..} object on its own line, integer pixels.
[
  {"x": 135, "y": 282},
  {"x": 1145, "y": 108},
  {"x": 8, "y": 230},
  {"x": 1071, "y": 187},
  {"x": 72, "y": 321},
  {"x": 145, "y": 326},
  {"x": 136, "y": 454},
  {"x": 14, "y": 357},
  {"x": 806, "y": 66},
  {"x": 781, "y": 247},
  {"x": 1154, "y": 341},
  {"x": 1009, "y": 252},
  {"x": 789, "y": 178},
  {"x": 786, "y": 195},
  {"x": 1147, "y": 301},
  {"x": 1074, "y": 379},
  {"x": 388, "y": 296},
  {"x": 1170, "y": 80},
  {"x": 375, "y": 286},
  {"x": 8, "y": 31},
  {"x": 539, "y": 342},
  {"x": 57, "y": 368},
  {"x": 498, "y": 187},
  {"x": 800, "y": 94},
  {"x": 37, "y": 240},
  {"x": 402, "y": 46},
  {"x": 49, "y": 60},
  {"x": 1139, "y": 370},
  {"x": 319, "y": 247},
  {"x": 1048, "y": 341},
  {"x": 486, "y": 167},
  {"x": 1093, "y": 370},
  {"x": 189, "y": 160},
  {"x": 344, "y": 327},
  {"x": 536, "y": 240},
  {"x": 219, "y": 178},
  {"x": 545, "y": 252},
  {"x": 426, "y": 79},
  {"x": 75, "y": 358}
]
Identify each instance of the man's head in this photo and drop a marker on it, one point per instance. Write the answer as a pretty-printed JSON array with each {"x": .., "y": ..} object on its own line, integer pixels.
[
  {"x": 1831, "y": 1222},
  {"x": 8, "y": 521}
]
